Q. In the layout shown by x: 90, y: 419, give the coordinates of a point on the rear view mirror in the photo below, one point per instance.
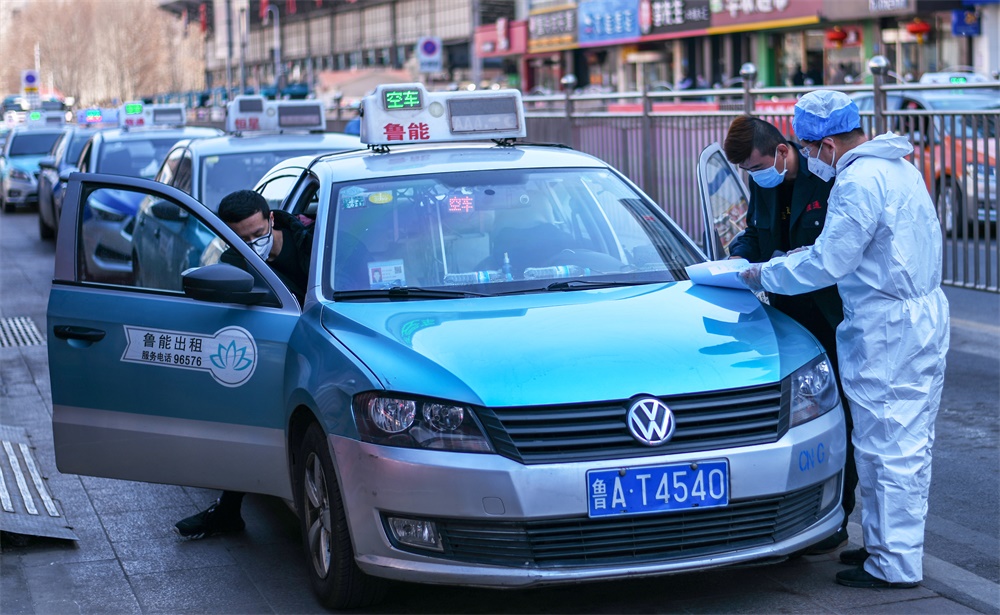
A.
x: 221, y: 283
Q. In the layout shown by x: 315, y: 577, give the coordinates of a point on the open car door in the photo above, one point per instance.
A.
x: 181, y: 383
x: 724, y: 199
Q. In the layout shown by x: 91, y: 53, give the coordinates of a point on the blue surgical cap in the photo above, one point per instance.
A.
x: 822, y: 113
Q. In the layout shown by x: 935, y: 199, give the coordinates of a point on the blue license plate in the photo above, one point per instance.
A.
x: 652, y: 489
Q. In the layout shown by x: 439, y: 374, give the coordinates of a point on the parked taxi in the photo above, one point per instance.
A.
x: 20, y: 152
x: 955, y: 135
x: 261, y: 133
x: 135, y: 149
x: 500, y: 376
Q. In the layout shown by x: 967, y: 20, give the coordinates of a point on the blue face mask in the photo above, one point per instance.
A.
x: 769, y: 177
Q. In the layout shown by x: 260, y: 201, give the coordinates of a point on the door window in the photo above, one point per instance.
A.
x: 109, y: 255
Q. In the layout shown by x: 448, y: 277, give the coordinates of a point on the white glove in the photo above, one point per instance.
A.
x: 751, y: 277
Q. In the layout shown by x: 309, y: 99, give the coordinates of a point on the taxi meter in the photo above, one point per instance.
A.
x: 408, y: 113
x: 256, y: 113
x: 137, y: 114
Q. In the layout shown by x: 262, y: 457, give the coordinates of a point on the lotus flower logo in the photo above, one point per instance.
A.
x: 231, y: 357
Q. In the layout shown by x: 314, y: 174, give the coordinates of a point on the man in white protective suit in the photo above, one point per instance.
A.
x: 881, y: 246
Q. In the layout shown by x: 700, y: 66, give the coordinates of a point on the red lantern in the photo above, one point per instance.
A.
x: 837, y: 36
x: 919, y: 27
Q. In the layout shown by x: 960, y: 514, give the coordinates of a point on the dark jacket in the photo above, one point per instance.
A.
x: 298, y: 238
x: 819, y: 311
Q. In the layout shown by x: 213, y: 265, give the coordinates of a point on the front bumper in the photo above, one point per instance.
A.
x: 528, y: 524
x: 982, y: 191
x: 21, y: 192
x: 108, y: 246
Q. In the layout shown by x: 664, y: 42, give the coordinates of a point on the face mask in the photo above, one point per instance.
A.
x: 820, y: 169
x: 769, y: 177
x: 262, y: 245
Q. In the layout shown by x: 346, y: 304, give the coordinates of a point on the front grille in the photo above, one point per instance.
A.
x: 591, y: 432
x: 581, y: 541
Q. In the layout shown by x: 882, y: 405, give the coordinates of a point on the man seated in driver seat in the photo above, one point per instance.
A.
x: 527, y: 234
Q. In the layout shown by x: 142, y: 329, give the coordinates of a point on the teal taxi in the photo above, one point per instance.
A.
x: 500, y: 376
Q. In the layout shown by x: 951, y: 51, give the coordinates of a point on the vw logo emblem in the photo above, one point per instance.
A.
x: 650, y: 421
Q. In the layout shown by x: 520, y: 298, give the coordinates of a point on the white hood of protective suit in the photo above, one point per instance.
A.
x: 881, y: 246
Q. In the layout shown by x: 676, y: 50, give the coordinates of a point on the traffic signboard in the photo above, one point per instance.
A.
x: 29, y: 87
x: 429, y: 54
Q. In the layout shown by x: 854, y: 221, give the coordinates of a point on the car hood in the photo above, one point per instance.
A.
x: 573, y: 347
x: 123, y: 201
x: 28, y: 164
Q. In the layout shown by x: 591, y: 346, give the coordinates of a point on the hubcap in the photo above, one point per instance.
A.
x: 317, y: 515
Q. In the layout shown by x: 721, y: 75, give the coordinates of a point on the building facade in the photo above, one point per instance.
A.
x: 606, y: 45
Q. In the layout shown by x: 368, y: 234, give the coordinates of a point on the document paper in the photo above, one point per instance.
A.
x: 719, y: 273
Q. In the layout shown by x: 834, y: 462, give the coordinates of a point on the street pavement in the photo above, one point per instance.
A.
x: 127, y: 559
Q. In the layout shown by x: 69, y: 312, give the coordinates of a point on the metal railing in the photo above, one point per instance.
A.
x: 655, y: 139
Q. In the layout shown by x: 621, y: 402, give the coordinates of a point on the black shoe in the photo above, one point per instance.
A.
x: 859, y: 577
x: 854, y: 557
x: 830, y: 543
x: 212, y: 520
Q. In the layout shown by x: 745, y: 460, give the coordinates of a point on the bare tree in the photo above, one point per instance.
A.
x: 99, y: 51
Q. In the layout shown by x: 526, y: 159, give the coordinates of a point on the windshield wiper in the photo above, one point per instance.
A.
x: 585, y: 284
x: 405, y: 292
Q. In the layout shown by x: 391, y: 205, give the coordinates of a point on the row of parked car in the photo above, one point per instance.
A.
x: 152, y: 142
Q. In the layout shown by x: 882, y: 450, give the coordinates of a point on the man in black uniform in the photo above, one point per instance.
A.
x: 286, y: 245
x: 787, y: 210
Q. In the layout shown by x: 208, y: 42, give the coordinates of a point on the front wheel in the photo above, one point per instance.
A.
x: 951, y: 204
x: 334, y: 575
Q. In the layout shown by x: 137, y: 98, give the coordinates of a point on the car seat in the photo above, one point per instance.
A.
x: 117, y: 162
x: 528, y: 234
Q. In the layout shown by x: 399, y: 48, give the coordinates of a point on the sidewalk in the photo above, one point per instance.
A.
x: 128, y: 560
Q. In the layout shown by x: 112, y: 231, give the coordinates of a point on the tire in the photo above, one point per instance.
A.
x: 333, y: 573
x: 951, y: 203
x: 44, y: 230
x: 8, y: 208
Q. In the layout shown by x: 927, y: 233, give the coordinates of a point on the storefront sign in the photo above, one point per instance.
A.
x: 739, y: 13
x: 965, y: 23
x: 602, y: 21
x: 887, y: 6
x: 664, y: 16
x: 552, y: 30
x: 502, y: 39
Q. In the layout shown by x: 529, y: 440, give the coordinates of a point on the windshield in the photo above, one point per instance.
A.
x: 134, y: 158
x: 33, y: 144
x: 499, y: 231
x: 221, y: 175
x: 75, y: 147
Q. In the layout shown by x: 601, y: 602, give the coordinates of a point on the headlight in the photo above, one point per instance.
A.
x: 980, y: 171
x: 813, y: 391
x: 412, y: 422
x: 106, y: 214
x: 19, y: 174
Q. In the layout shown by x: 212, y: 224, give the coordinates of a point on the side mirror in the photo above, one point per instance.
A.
x: 64, y: 176
x: 47, y: 163
x: 167, y: 211
x: 221, y: 283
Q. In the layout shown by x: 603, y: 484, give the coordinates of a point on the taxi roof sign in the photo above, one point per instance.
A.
x: 97, y: 117
x: 40, y: 119
x: 408, y: 113
x: 137, y: 114
x: 257, y: 114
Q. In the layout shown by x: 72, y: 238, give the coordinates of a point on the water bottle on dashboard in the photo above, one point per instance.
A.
x: 559, y: 271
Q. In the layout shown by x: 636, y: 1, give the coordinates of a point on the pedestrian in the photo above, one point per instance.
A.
x: 881, y: 246
x: 787, y: 210
x: 286, y: 245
